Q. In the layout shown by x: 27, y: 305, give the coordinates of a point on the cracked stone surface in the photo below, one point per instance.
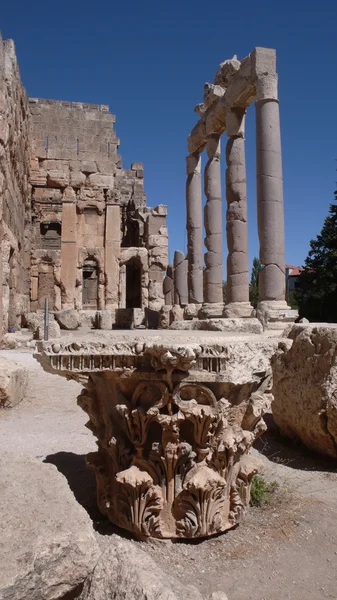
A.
x: 305, y: 383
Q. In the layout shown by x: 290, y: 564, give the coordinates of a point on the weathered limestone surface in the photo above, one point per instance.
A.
x: 127, y: 572
x: 213, y: 223
x: 180, y: 278
x: 53, y: 331
x: 175, y: 417
x: 14, y: 191
x: 236, y: 86
x: 305, y: 383
x: 270, y: 200
x: 229, y: 324
x: 47, y: 544
x: 13, y: 382
x: 168, y: 286
x: 67, y: 319
x: 236, y: 195
x: 194, y: 229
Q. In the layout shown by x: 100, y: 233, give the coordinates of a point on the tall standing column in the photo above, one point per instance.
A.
x: 237, y: 304
x: 270, y: 200
x: 194, y: 229
x: 213, y: 226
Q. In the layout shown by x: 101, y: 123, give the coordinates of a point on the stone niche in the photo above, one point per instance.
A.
x: 175, y: 419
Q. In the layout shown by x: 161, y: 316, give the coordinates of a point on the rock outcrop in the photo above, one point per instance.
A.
x: 305, y: 387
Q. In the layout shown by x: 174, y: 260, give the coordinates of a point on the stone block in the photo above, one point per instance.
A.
x: 88, y: 167
x: 103, y: 181
x: 41, y: 194
x: 53, y: 331
x: 157, y: 240
x: 104, y: 319
x: 67, y: 319
x: 47, y: 543
x: 161, y: 209
x: 57, y: 179
x: 305, y: 383
x: 13, y: 383
x: 77, y: 179
x: 275, y: 314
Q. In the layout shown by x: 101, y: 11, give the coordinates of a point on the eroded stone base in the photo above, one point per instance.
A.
x: 275, y: 314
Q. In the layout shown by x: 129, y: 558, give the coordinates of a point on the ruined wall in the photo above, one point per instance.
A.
x: 85, y: 208
x: 74, y: 225
x: 14, y: 190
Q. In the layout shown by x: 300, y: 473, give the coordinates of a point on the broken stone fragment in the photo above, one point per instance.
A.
x: 13, y: 382
x: 212, y: 93
x: 67, y: 319
x: 226, y: 71
x: 305, y: 383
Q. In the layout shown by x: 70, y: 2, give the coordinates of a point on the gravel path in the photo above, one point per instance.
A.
x: 286, y: 550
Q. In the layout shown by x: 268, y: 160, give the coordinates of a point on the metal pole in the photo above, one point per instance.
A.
x: 46, y: 319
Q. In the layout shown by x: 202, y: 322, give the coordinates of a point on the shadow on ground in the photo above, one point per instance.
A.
x: 82, y: 483
x: 291, y: 453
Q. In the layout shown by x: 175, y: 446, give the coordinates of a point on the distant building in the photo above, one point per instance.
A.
x: 292, y: 274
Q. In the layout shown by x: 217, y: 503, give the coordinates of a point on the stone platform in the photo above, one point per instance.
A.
x: 175, y: 416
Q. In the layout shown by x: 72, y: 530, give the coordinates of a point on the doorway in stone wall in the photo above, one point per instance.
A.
x: 90, y: 284
x: 133, y: 282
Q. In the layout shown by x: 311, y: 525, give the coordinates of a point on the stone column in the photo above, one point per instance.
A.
x: 194, y: 229
x: 68, y: 248
x: 168, y: 287
x: 213, y: 226
x: 180, y: 278
x: 112, y: 253
x: 270, y: 200
x: 237, y: 304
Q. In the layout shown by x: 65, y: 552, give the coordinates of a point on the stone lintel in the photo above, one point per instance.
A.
x: 256, y: 78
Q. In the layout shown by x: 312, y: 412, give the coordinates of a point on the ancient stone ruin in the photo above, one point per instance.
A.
x: 174, y: 415
x: 175, y: 418
x: 237, y: 84
x: 75, y: 228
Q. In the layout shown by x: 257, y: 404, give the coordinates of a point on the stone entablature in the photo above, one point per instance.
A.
x: 175, y: 417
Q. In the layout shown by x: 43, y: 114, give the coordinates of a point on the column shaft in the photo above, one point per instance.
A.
x: 270, y: 200
x: 213, y: 223
x: 236, y: 228
x: 180, y: 279
x: 194, y: 229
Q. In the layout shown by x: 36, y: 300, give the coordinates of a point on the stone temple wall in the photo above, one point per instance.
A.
x: 94, y: 236
x: 14, y: 190
x: 75, y: 227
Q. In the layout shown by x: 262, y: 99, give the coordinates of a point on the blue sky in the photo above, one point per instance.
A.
x: 149, y: 60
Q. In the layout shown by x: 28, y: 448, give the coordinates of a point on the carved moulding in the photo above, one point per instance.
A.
x: 173, y: 435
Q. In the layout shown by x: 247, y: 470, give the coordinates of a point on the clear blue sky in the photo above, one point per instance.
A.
x: 149, y: 60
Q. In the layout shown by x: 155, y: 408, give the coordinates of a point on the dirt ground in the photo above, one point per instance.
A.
x: 284, y: 550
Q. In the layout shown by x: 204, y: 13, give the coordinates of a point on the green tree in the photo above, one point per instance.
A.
x: 254, y: 283
x: 316, y: 286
